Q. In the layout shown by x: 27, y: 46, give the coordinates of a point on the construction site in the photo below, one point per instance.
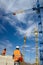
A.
x: 36, y: 16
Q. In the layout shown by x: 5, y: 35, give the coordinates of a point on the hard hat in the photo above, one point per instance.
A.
x: 17, y: 47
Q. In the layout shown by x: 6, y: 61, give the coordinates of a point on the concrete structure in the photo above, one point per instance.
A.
x: 6, y: 60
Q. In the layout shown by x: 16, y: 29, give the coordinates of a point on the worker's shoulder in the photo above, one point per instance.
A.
x: 16, y: 51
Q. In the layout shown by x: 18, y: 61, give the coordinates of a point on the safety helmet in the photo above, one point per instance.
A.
x: 17, y: 47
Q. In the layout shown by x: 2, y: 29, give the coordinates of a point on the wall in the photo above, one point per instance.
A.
x: 6, y: 60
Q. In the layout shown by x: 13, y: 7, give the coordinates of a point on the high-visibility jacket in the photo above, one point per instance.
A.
x: 17, y: 55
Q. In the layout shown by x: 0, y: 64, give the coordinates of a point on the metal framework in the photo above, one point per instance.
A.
x: 24, y: 45
x: 41, y: 53
x: 36, y: 40
x: 40, y: 32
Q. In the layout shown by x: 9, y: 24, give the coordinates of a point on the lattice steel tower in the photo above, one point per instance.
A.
x: 36, y: 40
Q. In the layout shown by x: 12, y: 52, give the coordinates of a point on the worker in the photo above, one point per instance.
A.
x: 3, y: 52
x: 17, y: 56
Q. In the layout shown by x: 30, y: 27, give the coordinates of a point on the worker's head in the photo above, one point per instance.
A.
x: 5, y: 49
x: 17, y: 47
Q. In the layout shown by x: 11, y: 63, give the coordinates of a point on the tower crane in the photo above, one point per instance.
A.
x: 23, y: 47
x: 36, y: 40
x: 40, y: 31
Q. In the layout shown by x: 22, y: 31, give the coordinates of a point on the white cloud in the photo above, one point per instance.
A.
x: 25, y: 46
x: 2, y: 28
x: 33, y: 61
x: 28, y: 50
x: 6, y: 43
x: 6, y: 4
x: 11, y: 21
x: 21, y: 17
x: 30, y: 22
x: 33, y: 48
x: 40, y: 47
x: 13, y: 5
x: 28, y: 31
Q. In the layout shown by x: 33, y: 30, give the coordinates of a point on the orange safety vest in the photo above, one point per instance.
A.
x: 17, y: 55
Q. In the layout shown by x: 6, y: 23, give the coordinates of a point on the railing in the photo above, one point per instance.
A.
x: 6, y: 60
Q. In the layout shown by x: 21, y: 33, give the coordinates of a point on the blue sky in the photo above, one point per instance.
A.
x: 13, y: 28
